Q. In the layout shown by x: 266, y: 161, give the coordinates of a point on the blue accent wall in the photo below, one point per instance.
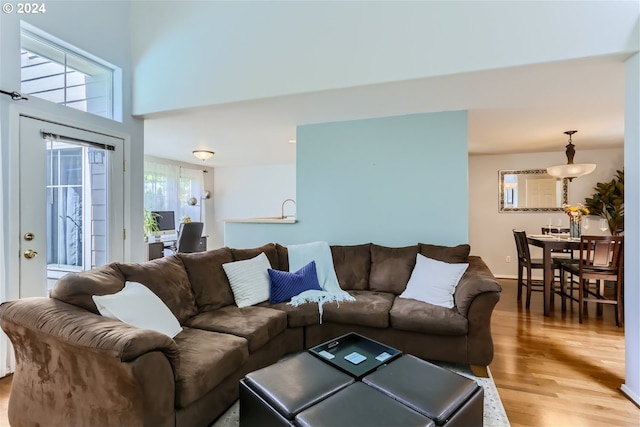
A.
x: 393, y: 181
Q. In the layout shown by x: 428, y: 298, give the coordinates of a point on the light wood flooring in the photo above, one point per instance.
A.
x: 549, y: 371
x: 555, y: 371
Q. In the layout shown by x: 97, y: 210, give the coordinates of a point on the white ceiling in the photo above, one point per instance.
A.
x: 514, y: 110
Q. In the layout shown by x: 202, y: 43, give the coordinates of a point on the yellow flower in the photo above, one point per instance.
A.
x: 575, y: 211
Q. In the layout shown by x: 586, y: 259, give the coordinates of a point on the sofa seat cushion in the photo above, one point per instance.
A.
x: 258, y: 325
x: 206, y: 359
x: 417, y: 316
x: 369, y: 309
x: 303, y: 315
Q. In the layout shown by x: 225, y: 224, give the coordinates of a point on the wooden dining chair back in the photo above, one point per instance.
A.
x: 554, y: 230
x: 601, y: 262
x: 526, y: 265
x: 558, y: 230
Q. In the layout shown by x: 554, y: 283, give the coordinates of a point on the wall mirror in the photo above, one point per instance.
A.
x: 531, y: 190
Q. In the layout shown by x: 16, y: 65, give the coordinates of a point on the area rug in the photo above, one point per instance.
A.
x: 494, y: 413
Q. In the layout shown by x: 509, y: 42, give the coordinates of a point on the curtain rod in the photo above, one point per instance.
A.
x: 16, y: 96
x: 77, y: 141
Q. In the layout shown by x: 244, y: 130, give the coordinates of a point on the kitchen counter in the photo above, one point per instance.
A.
x: 265, y: 220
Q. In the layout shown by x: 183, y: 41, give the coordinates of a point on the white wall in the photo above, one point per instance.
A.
x: 490, y: 232
x: 253, y: 49
x: 250, y: 192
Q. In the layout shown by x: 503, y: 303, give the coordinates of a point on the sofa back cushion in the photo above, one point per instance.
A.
x: 209, y: 282
x: 391, y: 268
x: 269, y: 250
x: 78, y: 288
x: 451, y: 254
x: 283, y: 258
x: 167, y: 278
x: 353, y: 266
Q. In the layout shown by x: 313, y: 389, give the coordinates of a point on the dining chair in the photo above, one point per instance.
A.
x: 555, y: 230
x: 601, y: 261
x: 558, y: 230
x: 189, y: 235
x: 528, y: 264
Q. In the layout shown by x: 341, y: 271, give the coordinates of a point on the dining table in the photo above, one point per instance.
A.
x: 549, y: 244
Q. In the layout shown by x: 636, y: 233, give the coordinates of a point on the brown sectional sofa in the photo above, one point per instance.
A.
x: 77, y: 368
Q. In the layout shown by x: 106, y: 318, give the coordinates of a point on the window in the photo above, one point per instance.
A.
x: 172, y: 188
x: 61, y: 75
x: 76, y: 207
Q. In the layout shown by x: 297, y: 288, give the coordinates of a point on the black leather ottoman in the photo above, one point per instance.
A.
x: 274, y: 395
x: 447, y: 398
x: 360, y: 406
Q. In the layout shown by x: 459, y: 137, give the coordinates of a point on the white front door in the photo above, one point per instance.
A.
x: 71, y: 202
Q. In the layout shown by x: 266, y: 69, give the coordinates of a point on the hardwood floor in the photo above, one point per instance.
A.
x: 555, y: 371
x: 549, y: 371
x: 5, y: 388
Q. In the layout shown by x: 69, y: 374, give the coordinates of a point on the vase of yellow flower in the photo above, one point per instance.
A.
x: 575, y: 218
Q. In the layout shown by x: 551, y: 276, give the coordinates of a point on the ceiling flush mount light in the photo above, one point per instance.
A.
x: 203, y: 154
x: 571, y: 170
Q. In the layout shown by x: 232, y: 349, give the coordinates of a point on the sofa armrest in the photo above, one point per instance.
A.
x: 74, y: 367
x: 476, y: 280
x: 80, y: 327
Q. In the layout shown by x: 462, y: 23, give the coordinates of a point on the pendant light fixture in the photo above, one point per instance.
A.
x: 570, y: 170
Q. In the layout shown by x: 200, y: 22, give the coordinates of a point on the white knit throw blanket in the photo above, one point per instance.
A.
x: 320, y: 252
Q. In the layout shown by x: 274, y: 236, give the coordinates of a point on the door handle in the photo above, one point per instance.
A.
x: 30, y: 253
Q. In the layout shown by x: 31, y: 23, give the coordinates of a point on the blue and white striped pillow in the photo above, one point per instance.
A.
x: 285, y: 285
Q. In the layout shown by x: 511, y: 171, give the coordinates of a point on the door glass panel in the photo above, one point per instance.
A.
x: 76, y: 212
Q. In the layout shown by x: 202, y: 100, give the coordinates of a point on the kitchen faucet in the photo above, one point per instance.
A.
x: 283, y: 203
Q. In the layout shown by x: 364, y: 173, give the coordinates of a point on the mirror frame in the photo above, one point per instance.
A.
x: 502, y: 173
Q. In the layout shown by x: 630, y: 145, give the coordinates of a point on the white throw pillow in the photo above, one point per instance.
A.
x: 434, y: 281
x: 249, y: 280
x: 137, y: 305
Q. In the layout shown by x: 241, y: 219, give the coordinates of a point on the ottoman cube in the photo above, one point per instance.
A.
x: 447, y: 398
x: 274, y: 395
x: 360, y: 406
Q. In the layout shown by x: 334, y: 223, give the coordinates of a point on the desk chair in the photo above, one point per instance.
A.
x: 601, y: 260
x: 189, y: 235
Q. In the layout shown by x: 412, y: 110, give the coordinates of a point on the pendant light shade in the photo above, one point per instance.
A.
x: 571, y: 170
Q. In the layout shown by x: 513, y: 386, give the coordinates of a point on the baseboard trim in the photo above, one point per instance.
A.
x: 630, y: 394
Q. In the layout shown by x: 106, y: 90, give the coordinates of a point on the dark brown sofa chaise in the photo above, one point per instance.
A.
x: 77, y: 368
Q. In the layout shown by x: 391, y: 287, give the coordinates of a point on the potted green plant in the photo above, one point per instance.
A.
x: 150, y: 224
x: 608, y: 202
